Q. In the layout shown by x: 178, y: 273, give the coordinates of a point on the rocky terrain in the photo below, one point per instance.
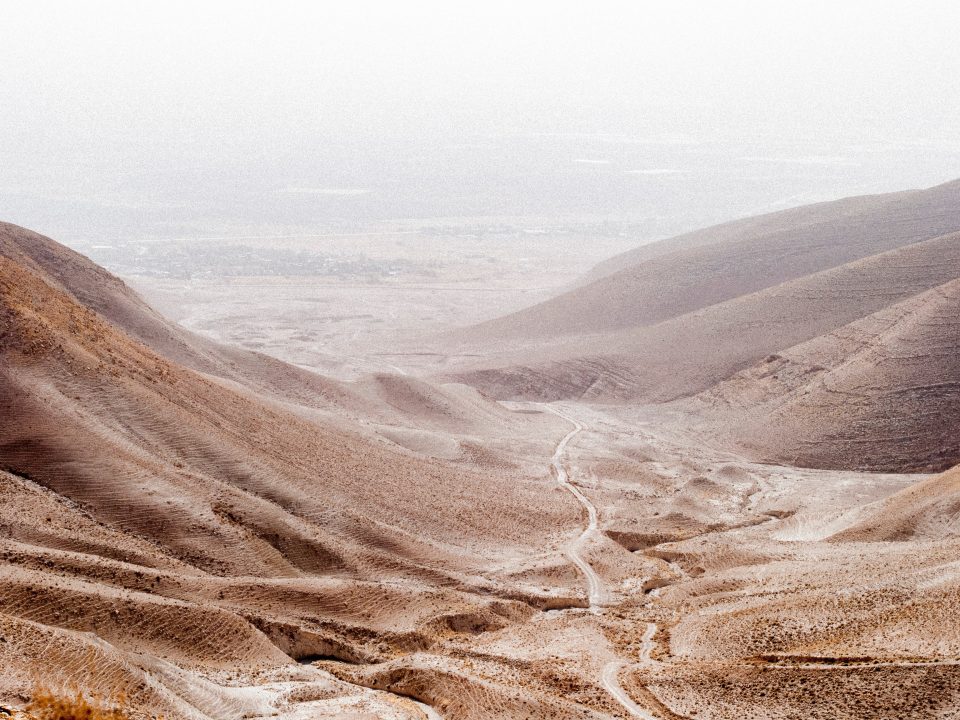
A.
x: 711, y: 481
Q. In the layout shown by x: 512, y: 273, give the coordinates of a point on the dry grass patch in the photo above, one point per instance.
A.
x: 74, y: 705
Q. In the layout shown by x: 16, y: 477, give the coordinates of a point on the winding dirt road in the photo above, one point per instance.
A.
x: 610, y: 677
x: 611, y: 683
x: 595, y: 593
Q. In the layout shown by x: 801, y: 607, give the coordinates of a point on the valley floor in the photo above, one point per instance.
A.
x: 216, y: 535
x: 701, y: 586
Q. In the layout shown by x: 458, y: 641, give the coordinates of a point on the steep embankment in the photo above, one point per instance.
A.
x: 882, y: 393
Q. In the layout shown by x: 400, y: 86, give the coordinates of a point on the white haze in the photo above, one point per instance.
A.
x: 134, y: 119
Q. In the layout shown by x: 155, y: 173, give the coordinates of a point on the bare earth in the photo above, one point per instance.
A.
x: 215, y: 533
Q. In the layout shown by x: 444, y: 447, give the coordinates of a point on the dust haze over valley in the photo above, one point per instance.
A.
x: 480, y: 361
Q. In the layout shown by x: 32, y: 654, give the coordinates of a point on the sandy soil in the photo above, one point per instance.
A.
x: 215, y: 534
x: 348, y: 326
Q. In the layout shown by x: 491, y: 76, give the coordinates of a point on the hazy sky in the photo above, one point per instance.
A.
x: 89, y: 86
x: 181, y: 73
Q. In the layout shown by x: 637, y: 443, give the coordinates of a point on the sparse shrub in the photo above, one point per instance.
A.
x: 74, y: 705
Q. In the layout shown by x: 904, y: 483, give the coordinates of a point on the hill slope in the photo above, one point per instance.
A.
x: 153, y: 514
x: 882, y: 393
x: 674, y: 277
x: 707, y: 306
x: 928, y: 510
x: 688, y: 354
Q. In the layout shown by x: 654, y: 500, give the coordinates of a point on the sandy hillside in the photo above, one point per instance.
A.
x: 141, y: 494
x: 673, y: 277
x: 849, y: 366
x: 217, y: 535
x: 679, y: 321
x: 881, y: 393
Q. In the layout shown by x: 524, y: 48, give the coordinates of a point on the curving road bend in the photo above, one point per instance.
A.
x: 595, y: 593
x: 610, y: 677
x: 611, y: 683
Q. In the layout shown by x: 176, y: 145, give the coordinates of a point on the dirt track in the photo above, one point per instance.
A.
x: 595, y: 592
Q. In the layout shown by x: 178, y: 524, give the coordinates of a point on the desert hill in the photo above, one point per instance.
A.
x: 682, y: 322
x: 688, y: 354
x: 398, y: 409
x: 926, y: 511
x: 666, y: 279
x: 882, y: 393
x: 155, y: 514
